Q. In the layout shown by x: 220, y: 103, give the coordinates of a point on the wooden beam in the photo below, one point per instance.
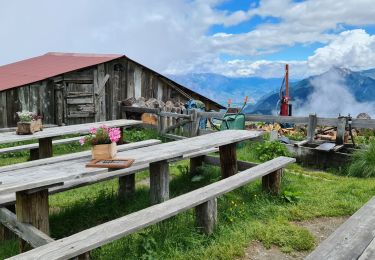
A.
x: 94, y: 237
x: 228, y: 160
x: 195, y: 163
x: 126, y: 186
x: 101, y: 86
x: 6, y: 233
x: 311, y: 127
x: 27, y: 232
x: 206, y: 216
x: 175, y: 115
x: 271, y: 183
x: 181, y: 123
x: 159, y: 182
x: 45, y: 148
x: 33, y: 209
x: 340, y: 133
x: 140, y: 110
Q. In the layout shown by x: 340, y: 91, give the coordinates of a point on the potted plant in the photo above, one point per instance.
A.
x: 29, y: 123
x: 103, y: 141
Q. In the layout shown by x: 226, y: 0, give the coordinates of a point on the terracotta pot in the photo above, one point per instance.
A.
x: 104, y: 151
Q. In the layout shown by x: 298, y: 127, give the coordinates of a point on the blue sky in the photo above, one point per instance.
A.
x: 236, y: 38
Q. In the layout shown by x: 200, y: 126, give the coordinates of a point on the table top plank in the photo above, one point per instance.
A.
x: 10, y: 137
x: 42, y: 175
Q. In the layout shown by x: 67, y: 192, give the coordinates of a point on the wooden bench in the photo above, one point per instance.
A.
x: 32, y: 181
x: 354, y: 239
x: 9, y: 199
x: 44, y: 149
x: 204, y: 200
x: 33, y: 146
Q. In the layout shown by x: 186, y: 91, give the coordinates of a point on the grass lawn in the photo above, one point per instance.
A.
x: 245, y: 214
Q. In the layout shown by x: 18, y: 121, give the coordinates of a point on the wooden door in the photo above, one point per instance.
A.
x: 79, y: 103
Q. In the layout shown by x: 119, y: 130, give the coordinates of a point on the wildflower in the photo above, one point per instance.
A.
x: 82, y: 140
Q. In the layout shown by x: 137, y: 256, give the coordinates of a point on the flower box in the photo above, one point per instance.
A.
x: 26, y: 128
x: 104, y: 151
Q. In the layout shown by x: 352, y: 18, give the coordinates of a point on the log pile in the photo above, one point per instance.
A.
x: 168, y: 106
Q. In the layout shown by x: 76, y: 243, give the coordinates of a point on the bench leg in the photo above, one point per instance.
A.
x: 206, y: 216
x: 195, y: 163
x: 228, y: 160
x: 34, y: 154
x: 45, y: 148
x: 126, y: 186
x: 271, y: 183
x: 33, y: 209
x: 159, y: 182
x: 5, y: 233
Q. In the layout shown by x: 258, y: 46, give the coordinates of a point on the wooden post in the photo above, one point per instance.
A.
x: 45, y: 148
x: 206, y: 216
x: 228, y: 160
x: 271, y: 183
x: 195, y: 163
x: 5, y: 233
x: 59, y: 101
x: 160, y: 121
x: 33, y: 209
x: 34, y: 154
x: 194, y: 125
x: 185, y: 127
x: 340, y: 134
x: 126, y: 186
x: 159, y: 182
x: 311, y: 127
x: 121, y: 141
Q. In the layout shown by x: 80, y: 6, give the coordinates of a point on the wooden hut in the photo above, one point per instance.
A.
x: 68, y: 88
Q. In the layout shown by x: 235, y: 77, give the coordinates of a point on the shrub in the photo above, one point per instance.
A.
x: 269, y: 150
x: 363, y: 162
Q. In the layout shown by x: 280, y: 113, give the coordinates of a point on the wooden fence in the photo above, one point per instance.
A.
x: 186, y: 122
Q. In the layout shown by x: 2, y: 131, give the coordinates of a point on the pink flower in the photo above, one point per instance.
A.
x: 105, y: 127
x: 92, y: 130
x: 114, y: 134
x: 82, y: 140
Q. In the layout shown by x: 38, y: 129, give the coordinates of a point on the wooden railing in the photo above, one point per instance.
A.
x: 186, y: 123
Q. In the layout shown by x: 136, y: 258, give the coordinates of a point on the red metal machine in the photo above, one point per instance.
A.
x: 285, y: 106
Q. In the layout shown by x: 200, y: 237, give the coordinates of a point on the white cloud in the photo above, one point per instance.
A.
x: 353, y: 49
x: 171, y: 36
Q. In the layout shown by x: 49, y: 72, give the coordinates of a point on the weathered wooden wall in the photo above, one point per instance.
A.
x: 90, y: 94
x: 36, y: 97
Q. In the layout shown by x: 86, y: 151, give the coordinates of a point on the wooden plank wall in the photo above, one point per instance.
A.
x: 126, y: 79
x: 37, y: 97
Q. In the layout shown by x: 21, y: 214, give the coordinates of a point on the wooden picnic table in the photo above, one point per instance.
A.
x: 45, y: 137
x: 31, y: 184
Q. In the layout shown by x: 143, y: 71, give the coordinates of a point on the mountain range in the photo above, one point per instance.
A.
x: 221, y: 88
x: 335, y: 91
x: 316, y: 94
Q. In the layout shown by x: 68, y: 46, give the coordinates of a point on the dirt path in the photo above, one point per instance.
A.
x: 320, y: 228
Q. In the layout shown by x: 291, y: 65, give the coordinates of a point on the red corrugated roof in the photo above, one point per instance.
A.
x: 48, y: 65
